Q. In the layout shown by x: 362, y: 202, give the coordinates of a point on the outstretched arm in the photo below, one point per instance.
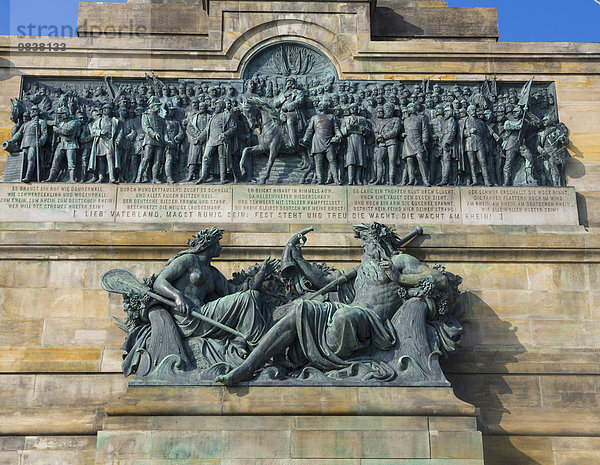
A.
x: 269, y: 265
x: 412, y: 272
x: 316, y: 276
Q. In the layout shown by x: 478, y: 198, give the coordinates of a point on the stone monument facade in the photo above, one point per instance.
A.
x: 162, y: 120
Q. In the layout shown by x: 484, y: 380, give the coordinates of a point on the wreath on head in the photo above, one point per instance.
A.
x: 205, y: 238
x: 200, y: 241
x: 377, y: 232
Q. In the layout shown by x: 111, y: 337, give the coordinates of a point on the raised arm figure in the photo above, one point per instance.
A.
x: 331, y: 335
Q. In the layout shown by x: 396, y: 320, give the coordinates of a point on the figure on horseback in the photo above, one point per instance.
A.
x: 272, y: 138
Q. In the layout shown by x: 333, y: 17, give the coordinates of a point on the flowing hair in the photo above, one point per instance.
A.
x: 200, y: 241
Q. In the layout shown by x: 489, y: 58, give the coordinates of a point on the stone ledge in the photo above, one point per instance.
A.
x: 49, y: 420
x: 289, y: 426
x: 519, y: 245
x: 281, y: 422
x: 290, y: 447
x: 325, y: 401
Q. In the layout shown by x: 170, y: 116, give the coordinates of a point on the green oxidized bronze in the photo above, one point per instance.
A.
x: 386, y: 321
x: 288, y: 120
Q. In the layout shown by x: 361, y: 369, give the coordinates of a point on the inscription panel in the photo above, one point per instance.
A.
x: 171, y: 203
x: 216, y: 204
x: 519, y: 206
x: 14, y: 167
x: 290, y: 204
x: 57, y: 202
x: 404, y: 205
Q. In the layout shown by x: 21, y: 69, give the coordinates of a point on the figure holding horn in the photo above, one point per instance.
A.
x: 335, y: 335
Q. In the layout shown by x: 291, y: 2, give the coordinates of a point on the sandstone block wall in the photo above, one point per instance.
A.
x: 529, y: 360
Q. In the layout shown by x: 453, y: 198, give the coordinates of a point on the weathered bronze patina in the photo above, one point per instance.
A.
x: 386, y: 321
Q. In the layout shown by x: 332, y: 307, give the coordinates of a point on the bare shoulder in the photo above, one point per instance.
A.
x: 404, y: 261
x: 183, y: 262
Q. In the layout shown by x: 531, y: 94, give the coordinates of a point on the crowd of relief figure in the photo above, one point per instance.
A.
x: 302, y: 129
x: 388, y: 320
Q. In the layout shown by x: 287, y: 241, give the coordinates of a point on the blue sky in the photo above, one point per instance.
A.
x: 543, y: 20
x: 519, y: 20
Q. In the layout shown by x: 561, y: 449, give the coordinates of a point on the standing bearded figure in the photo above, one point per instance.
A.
x: 220, y: 129
x: 107, y: 133
x: 33, y: 135
x: 475, y: 146
x: 386, y: 135
x: 196, y: 124
x: 66, y: 128
x: 154, y: 128
x: 330, y: 335
x: 448, y: 147
x: 416, y: 138
x: 355, y: 128
x: 324, y: 131
x: 292, y: 103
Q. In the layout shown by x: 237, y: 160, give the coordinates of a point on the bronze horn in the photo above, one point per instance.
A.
x: 288, y: 264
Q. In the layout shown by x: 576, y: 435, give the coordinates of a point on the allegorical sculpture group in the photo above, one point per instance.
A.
x: 328, y: 131
x: 388, y: 320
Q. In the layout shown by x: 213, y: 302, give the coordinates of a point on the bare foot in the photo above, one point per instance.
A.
x: 235, y: 376
x: 223, y: 379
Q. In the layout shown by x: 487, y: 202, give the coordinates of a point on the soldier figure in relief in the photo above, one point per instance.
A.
x: 474, y: 146
x: 493, y: 144
x: 355, y: 128
x: 324, y: 132
x: 552, y: 142
x: 220, y: 129
x: 173, y: 136
x: 514, y: 145
x: 416, y: 138
x: 85, y: 146
x: 196, y: 124
x: 380, y: 150
x: 125, y: 146
x: 437, y: 125
x: 135, y: 134
x: 66, y: 129
x: 107, y: 133
x: 154, y: 128
x: 387, y: 139
x: 448, y: 146
x: 33, y: 135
